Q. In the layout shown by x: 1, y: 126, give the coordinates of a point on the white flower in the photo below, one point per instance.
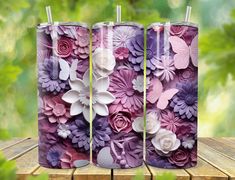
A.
x: 165, y: 141
x: 138, y: 83
x: 152, y: 123
x: 103, y: 62
x: 165, y: 68
x: 63, y: 131
x: 188, y: 143
x: 79, y: 96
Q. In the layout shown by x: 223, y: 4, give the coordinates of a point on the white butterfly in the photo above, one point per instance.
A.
x: 184, y: 52
x: 66, y: 71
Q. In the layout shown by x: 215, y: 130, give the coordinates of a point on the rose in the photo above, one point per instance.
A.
x: 121, y: 121
x: 64, y: 47
x: 179, y: 158
x: 165, y: 141
x: 178, y: 30
x: 103, y: 62
x: 152, y: 123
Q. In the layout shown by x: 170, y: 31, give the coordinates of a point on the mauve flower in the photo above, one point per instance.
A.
x: 55, y: 109
x: 54, y: 154
x: 178, y: 30
x: 187, y: 130
x: 127, y: 99
x: 45, y: 126
x: 64, y: 47
x: 48, y: 76
x: 165, y: 141
x: 127, y: 150
x: 188, y: 74
x: 185, y: 101
x: 169, y: 121
x: 121, y: 121
x: 179, y: 157
x: 121, y: 53
x: 165, y: 68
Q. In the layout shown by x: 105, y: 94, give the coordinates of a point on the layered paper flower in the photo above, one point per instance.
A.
x: 185, y: 101
x: 54, y: 154
x: 127, y: 98
x: 48, y: 76
x: 138, y: 83
x: 63, y: 131
x: 79, y: 96
x: 180, y: 157
x: 103, y: 62
x: 165, y: 141
x: 55, y: 109
x: 64, y: 47
x: 121, y: 53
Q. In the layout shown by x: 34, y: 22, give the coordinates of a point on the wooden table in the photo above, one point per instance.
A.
x: 216, y: 161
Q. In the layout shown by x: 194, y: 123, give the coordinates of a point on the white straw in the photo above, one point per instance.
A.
x: 119, y: 13
x: 49, y: 16
x: 188, y: 13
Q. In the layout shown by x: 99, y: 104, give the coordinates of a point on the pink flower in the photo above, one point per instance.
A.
x: 178, y: 30
x: 121, y: 121
x: 64, y: 47
x: 121, y: 53
x: 180, y: 157
x: 55, y: 109
x: 169, y: 121
x: 127, y: 99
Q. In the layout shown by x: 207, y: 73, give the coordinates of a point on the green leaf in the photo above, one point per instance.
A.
x: 7, y: 169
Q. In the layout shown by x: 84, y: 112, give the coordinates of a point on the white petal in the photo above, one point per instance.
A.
x: 70, y: 96
x: 105, y: 97
x: 76, y: 85
x: 86, y: 113
x: 86, y: 78
x: 105, y: 159
x: 76, y: 108
x: 138, y: 124
x: 102, y: 84
x: 101, y: 109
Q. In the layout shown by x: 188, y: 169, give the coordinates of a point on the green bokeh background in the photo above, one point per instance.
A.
x: 18, y: 19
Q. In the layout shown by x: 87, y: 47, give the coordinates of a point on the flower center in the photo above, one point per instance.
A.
x: 149, y: 54
x: 130, y: 92
x: 189, y: 100
x: 59, y: 110
x: 167, y: 144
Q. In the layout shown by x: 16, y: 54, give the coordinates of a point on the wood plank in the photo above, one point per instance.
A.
x: 92, y: 172
x: 19, y: 149
x: 224, y: 164
x: 223, y: 148
x: 227, y: 141
x: 128, y: 174
x: 11, y: 142
x: 55, y: 174
x: 27, y: 164
x: 181, y: 174
x: 204, y: 170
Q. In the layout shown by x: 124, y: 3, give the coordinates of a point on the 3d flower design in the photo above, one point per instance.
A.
x: 122, y: 35
x: 103, y: 62
x: 54, y: 154
x: 121, y: 53
x: 180, y: 157
x: 121, y: 121
x: 79, y: 96
x: 178, y: 30
x: 165, y: 68
x: 80, y: 133
x: 185, y: 101
x: 101, y: 132
x: 127, y: 99
x: 189, y: 74
x: 102, y: 38
x: 138, y: 83
x: 48, y: 76
x: 188, y: 143
x: 165, y: 141
x: 63, y: 131
x: 81, y: 44
x: 127, y: 150
x: 64, y: 47
x: 152, y: 123
x: 55, y: 109
x: 169, y: 121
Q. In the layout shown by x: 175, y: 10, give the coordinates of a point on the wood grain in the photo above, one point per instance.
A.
x: 221, y: 162
x: 204, y: 170
x: 19, y: 149
x: 91, y: 172
x: 128, y: 174
x: 13, y: 141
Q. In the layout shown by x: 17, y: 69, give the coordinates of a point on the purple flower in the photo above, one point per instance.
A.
x: 54, y: 154
x: 184, y: 102
x: 48, y: 76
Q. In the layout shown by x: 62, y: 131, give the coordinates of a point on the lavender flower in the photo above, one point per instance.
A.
x: 54, y: 154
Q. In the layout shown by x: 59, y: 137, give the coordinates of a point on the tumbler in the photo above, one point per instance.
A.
x: 117, y: 92
x: 172, y: 95
x: 63, y: 94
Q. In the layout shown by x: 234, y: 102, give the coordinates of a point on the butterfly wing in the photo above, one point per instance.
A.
x: 155, y: 92
x: 73, y: 70
x: 64, y: 70
x: 181, y: 58
x: 194, y: 51
x: 165, y: 97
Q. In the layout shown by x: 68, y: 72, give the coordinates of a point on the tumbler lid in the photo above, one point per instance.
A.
x: 64, y: 24
x: 111, y: 23
x: 183, y: 23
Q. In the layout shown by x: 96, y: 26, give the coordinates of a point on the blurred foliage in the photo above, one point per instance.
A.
x: 164, y: 176
x: 18, y: 81
x: 7, y: 169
